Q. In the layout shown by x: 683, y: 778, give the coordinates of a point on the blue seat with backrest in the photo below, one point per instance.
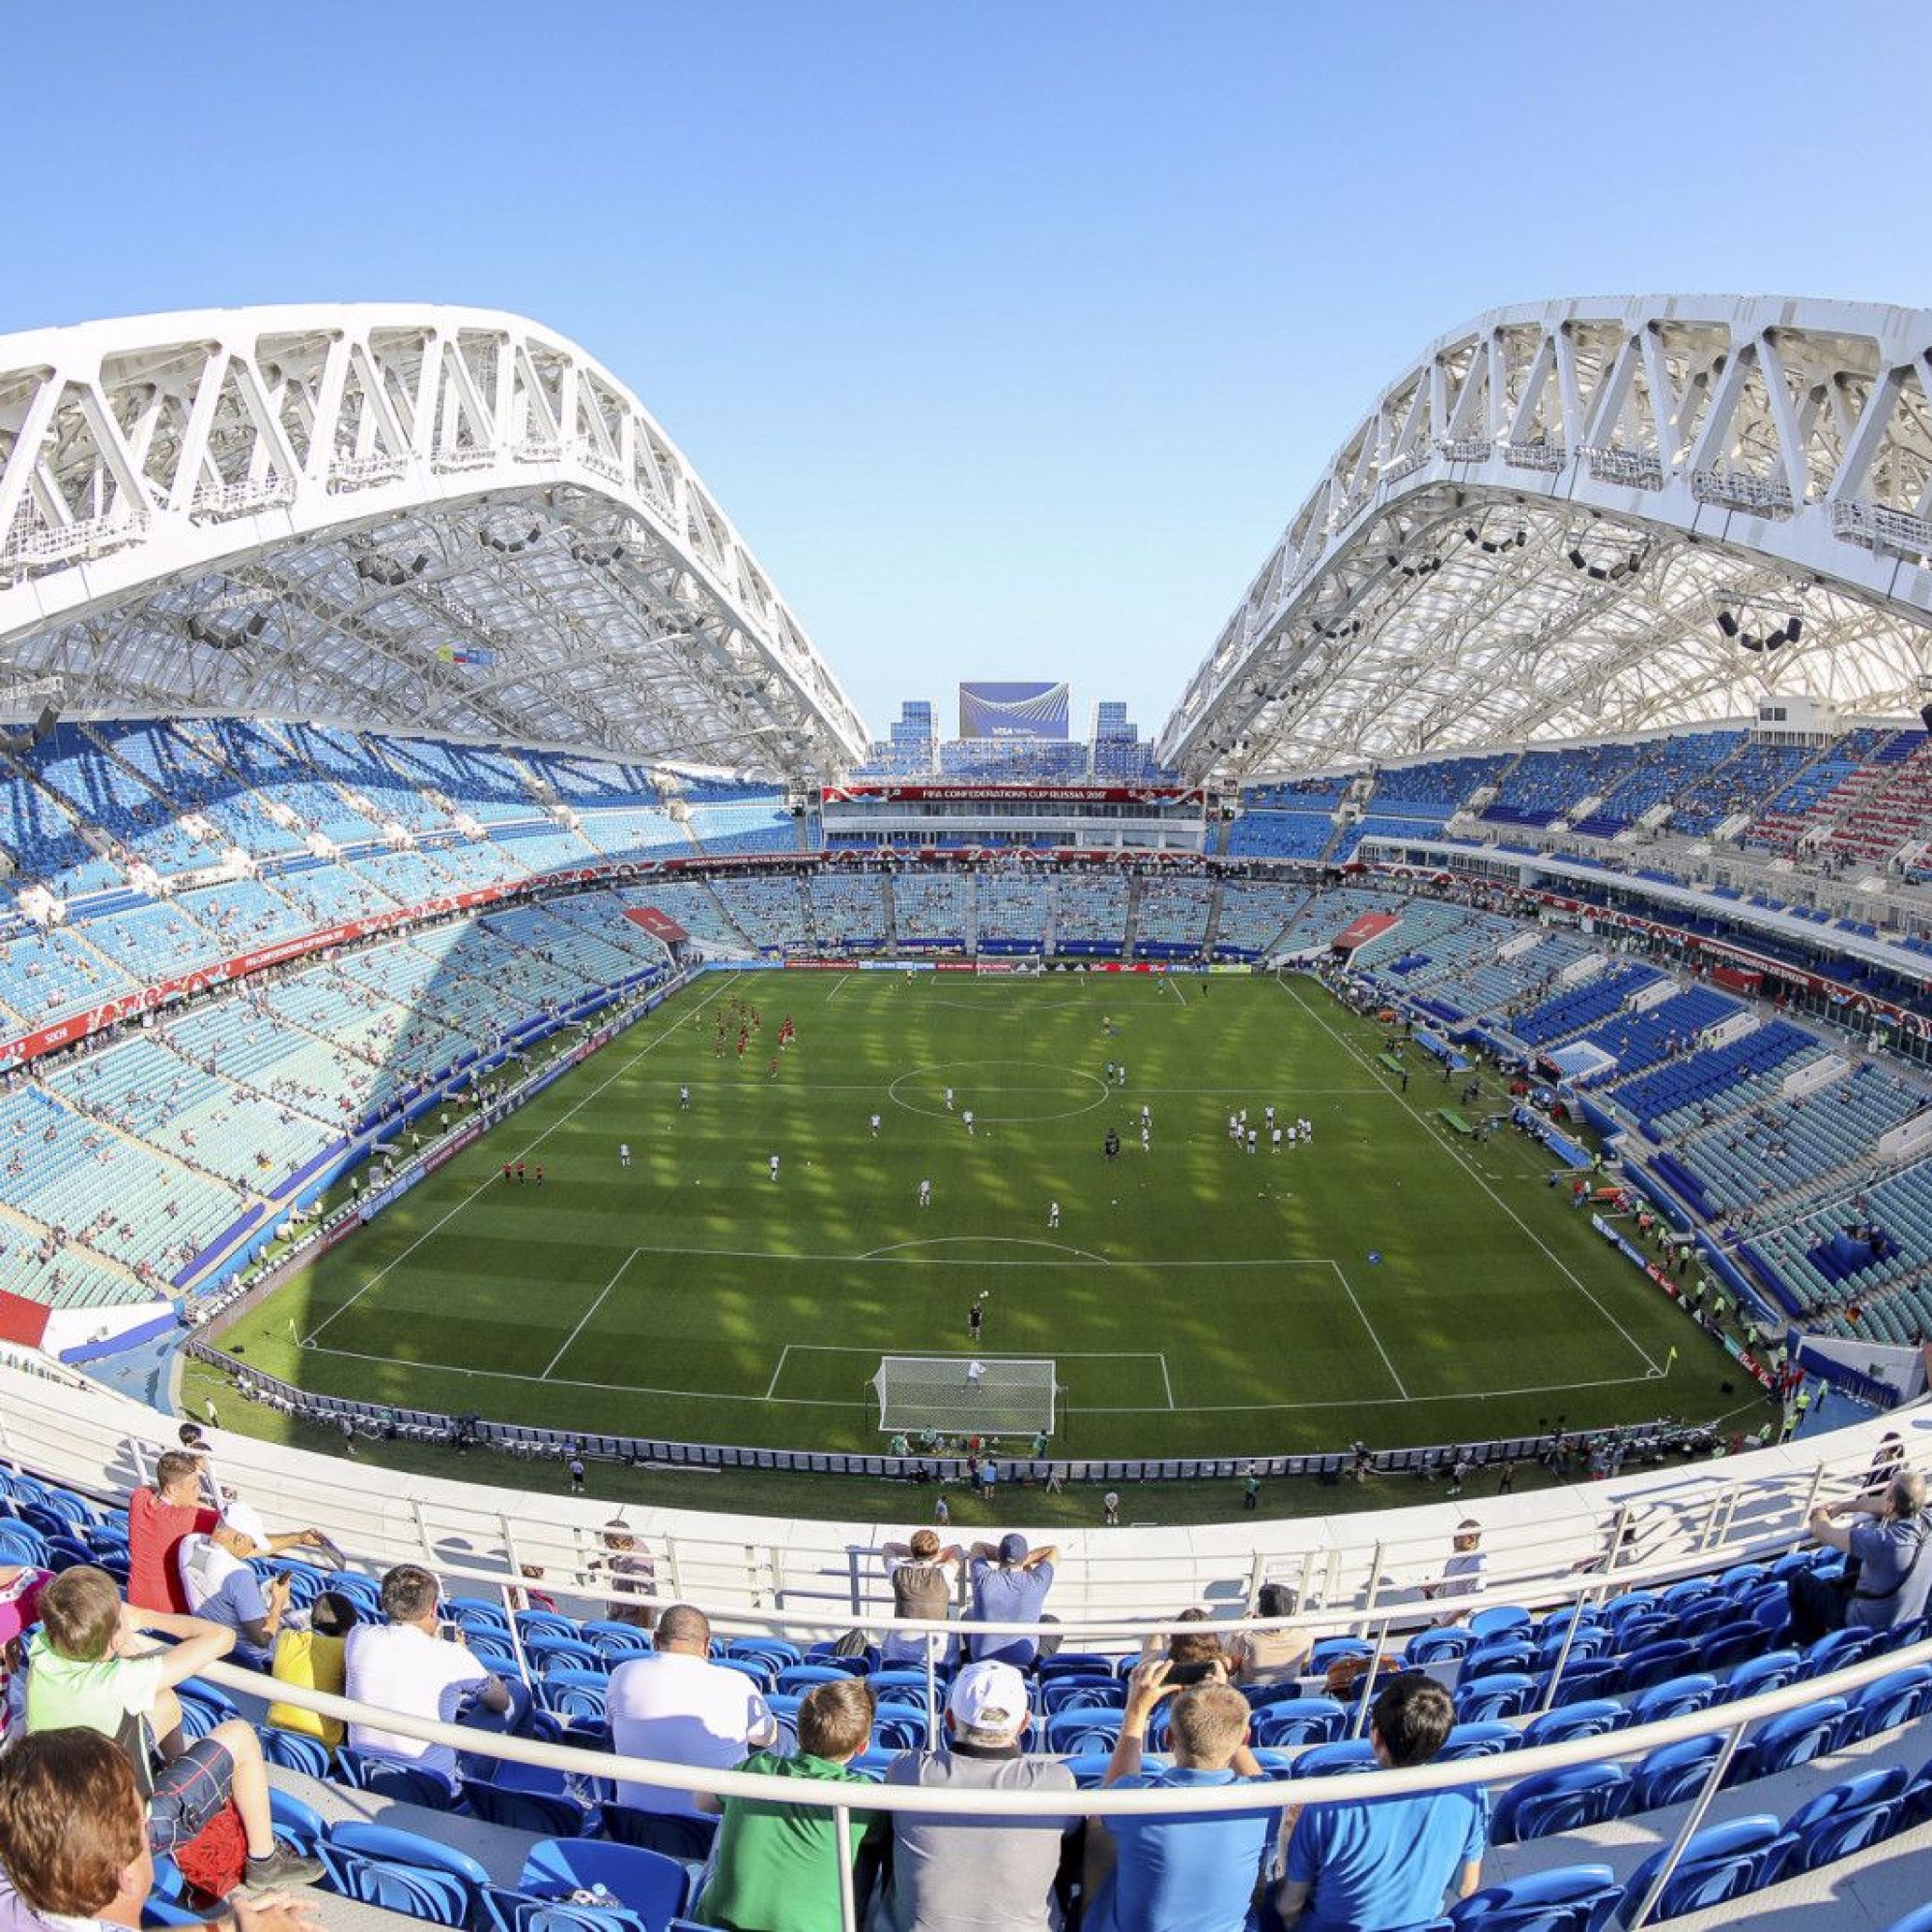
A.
x: 1791, y: 1738
x: 1571, y: 1899
x: 1484, y: 1739
x: 1674, y: 1697
x: 798, y: 1678
x: 650, y: 1884
x: 1657, y: 1662
x: 1494, y: 1619
x: 1332, y: 1760
x: 1848, y: 1818
x: 677, y: 1837
x: 1771, y: 1670
x: 1299, y: 1720
x: 1506, y: 1694
x: 574, y: 1695
x: 552, y: 1814
x: 1729, y: 1645
x: 1918, y: 1920
x: 1071, y: 1694
x: 615, y: 1641
x: 294, y: 1751
x: 1890, y: 1701
x: 1719, y: 1863
x: 1838, y: 1650
x: 401, y: 1871
x: 1589, y: 1678
x: 1434, y: 1646
x: 1497, y: 1654
x: 1070, y: 1731
x: 1595, y: 1718
x: 297, y: 1823
x: 392, y: 1777
x: 1672, y: 1773
x: 1560, y: 1800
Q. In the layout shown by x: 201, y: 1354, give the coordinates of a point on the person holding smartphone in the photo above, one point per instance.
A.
x: 413, y: 1663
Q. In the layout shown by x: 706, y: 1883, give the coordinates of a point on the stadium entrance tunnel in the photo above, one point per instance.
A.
x: 1008, y: 1089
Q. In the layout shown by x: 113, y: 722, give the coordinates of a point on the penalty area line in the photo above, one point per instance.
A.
x: 587, y: 1313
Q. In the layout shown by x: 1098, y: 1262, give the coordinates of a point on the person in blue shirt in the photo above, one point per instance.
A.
x: 1387, y: 1860
x: 1193, y: 1871
x: 1009, y: 1586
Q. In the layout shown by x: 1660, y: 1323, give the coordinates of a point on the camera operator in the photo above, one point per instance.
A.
x: 1886, y: 1577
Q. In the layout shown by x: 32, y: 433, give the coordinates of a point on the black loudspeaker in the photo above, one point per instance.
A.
x: 43, y: 725
x: 1925, y: 716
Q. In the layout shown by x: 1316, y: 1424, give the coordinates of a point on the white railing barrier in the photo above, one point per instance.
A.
x: 1731, y: 1720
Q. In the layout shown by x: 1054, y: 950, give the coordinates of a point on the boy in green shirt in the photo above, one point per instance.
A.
x: 774, y: 1868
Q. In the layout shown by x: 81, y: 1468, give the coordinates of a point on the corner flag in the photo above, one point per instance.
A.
x: 1671, y: 1357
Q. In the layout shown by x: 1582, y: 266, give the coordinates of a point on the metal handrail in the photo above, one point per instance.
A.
x: 1730, y: 1720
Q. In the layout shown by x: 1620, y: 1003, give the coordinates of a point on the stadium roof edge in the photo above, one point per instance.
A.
x: 423, y: 515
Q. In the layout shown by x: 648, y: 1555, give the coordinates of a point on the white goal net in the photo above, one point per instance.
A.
x: 966, y: 1395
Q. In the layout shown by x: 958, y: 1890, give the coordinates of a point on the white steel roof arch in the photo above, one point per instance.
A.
x: 1589, y: 517
x: 445, y: 519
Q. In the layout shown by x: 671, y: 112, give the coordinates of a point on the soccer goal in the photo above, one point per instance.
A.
x: 1006, y: 1397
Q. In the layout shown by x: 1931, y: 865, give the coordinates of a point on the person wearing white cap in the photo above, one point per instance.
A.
x: 949, y: 1873
x: 221, y: 1587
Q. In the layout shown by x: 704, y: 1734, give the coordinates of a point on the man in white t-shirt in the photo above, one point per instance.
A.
x: 221, y: 1587
x: 403, y: 1664
x: 676, y: 1705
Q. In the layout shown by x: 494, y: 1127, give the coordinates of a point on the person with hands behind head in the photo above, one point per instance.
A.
x: 74, y: 1848
x: 1188, y: 1871
x: 1883, y: 1534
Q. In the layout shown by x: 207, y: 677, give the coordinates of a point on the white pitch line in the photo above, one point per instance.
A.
x: 838, y: 989
x: 772, y: 1387
x: 490, y: 1180
x: 1371, y: 1328
x: 1556, y: 1262
x: 1165, y: 1382
x: 587, y: 1313
x: 1372, y: 1401
x: 1176, y: 984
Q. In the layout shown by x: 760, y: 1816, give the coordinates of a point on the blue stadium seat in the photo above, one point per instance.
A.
x: 1481, y: 1739
x: 650, y: 1884
x: 1299, y: 1720
x: 294, y: 1751
x: 400, y: 1871
x: 1848, y: 1818
x: 1332, y: 1760
x: 1791, y: 1738
x: 1068, y: 1732
x: 549, y: 1814
x: 1773, y: 1670
x: 1507, y: 1693
x: 1595, y: 1677
x: 1918, y: 1920
x: 1658, y: 1662
x: 1434, y: 1646
x: 677, y: 1837
x: 1674, y: 1697
x: 392, y: 1777
x: 1560, y: 1800
x: 294, y: 1823
x: 1897, y: 1699
x: 1071, y: 1694
x: 1719, y: 1863
x: 1671, y: 1773
x: 1595, y: 1718
x: 1571, y: 1899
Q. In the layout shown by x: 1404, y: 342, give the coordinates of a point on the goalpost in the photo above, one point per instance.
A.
x: 1007, y: 1397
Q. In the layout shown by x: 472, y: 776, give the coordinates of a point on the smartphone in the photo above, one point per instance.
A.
x: 451, y: 1632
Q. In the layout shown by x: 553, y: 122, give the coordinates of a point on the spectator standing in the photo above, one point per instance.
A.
x: 1195, y: 1869
x: 774, y: 1867
x: 951, y: 1873
x: 1010, y: 1584
x: 1387, y: 1860
x: 404, y: 1665
x: 678, y: 1706
x: 1462, y: 1575
x: 634, y: 1576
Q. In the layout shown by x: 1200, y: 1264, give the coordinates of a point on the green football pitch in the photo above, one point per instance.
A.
x: 1390, y: 1280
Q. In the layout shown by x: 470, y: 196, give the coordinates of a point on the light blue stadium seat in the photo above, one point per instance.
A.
x: 1791, y: 1738
x: 1572, y: 1898
x: 1332, y: 1760
x: 401, y: 1871
x: 1674, y: 1697
x: 1560, y: 1800
x: 1299, y: 1720
x: 1506, y: 1694
x: 1592, y: 1718
x: 649, y: 1884
x: 1671, y: 1773
x: 1847, y: 1818
x: 1719, y: 1863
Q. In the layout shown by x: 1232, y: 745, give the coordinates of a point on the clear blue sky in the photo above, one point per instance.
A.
x: 1010, y: 336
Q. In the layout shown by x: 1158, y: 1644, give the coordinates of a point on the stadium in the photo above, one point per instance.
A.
x: 474, y: 986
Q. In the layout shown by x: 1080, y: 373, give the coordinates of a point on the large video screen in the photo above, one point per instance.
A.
x: 1012, y: 710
